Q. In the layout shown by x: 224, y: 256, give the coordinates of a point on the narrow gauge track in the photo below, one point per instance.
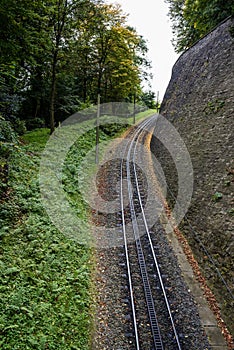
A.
x: 140, y: 229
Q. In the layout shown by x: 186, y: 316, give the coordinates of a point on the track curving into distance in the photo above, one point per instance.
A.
x: 140, y: 227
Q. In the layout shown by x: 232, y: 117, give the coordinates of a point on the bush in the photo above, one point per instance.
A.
x: 8, y: 139
x: 19, y: 126
x: 34, y: 123
x: 7, y: 134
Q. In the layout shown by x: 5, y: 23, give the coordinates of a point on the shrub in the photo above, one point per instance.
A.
x: 19, y: 126
x: 35, y: 123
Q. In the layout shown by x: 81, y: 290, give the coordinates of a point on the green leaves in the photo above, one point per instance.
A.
x: 44, y: 277
x: 57, y: 55
x: 217, y: 196
x: 193, y: 19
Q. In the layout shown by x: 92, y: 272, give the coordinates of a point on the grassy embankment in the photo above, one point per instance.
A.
x: 46, y: 285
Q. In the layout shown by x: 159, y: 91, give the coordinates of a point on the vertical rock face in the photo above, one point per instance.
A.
x: 199, y: 102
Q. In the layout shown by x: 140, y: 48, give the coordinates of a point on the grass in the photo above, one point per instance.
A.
x: 46, y: 278
x: 145, y: 114
x: 36, y: 138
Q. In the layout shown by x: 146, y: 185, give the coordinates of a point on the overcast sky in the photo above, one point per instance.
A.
x: 150, y: 19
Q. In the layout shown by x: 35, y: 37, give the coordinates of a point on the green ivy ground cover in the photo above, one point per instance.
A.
x: 45, y: 278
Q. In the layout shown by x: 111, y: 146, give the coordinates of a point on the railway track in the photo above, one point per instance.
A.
x: 137, y: 262
x: 144, y: 302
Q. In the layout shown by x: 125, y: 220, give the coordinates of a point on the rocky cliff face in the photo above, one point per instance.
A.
x: 199, y: 102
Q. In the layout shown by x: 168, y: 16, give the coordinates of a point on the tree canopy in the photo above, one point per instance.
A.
x: 191, y: 19
x: 57, y: 55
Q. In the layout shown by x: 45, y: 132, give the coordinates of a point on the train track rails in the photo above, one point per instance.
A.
x: 143, y: 300
x: 137, y: 258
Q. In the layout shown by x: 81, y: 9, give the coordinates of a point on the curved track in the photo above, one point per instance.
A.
x: 140, y: 229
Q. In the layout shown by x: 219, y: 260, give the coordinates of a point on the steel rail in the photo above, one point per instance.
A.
x: 127, y: 256
x: 127, y: 260
x: 143, y: 268
x: 152, y: 248
x: 141, y: 259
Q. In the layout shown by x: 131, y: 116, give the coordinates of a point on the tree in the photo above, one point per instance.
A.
x: 17, y: 44
x: 64, y: 20
x: 111, y: 55
x: 149, y: 99
x: 191, y: 20
x: 57, y: 55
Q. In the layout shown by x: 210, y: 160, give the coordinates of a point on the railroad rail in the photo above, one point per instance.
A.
x: 140, y: 229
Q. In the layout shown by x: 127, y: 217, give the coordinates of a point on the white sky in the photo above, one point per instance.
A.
x: 150, y: 19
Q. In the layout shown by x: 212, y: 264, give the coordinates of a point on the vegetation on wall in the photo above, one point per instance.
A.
x: 191, y: 19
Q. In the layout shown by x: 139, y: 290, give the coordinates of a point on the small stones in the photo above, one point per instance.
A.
x: 114, y: 320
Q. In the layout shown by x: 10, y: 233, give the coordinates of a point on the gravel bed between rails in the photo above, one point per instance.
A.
x: 113, y: 326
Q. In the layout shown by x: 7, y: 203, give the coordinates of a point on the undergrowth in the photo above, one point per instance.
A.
x: 45, y: 277
x: 46, y: 288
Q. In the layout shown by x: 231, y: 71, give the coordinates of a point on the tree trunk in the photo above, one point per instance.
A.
x: 38, y: 106
x: 99, y: 83
x: 52, y: 96
x: 85, y: 81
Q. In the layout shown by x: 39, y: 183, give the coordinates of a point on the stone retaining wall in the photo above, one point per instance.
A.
x: 199, y: 102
